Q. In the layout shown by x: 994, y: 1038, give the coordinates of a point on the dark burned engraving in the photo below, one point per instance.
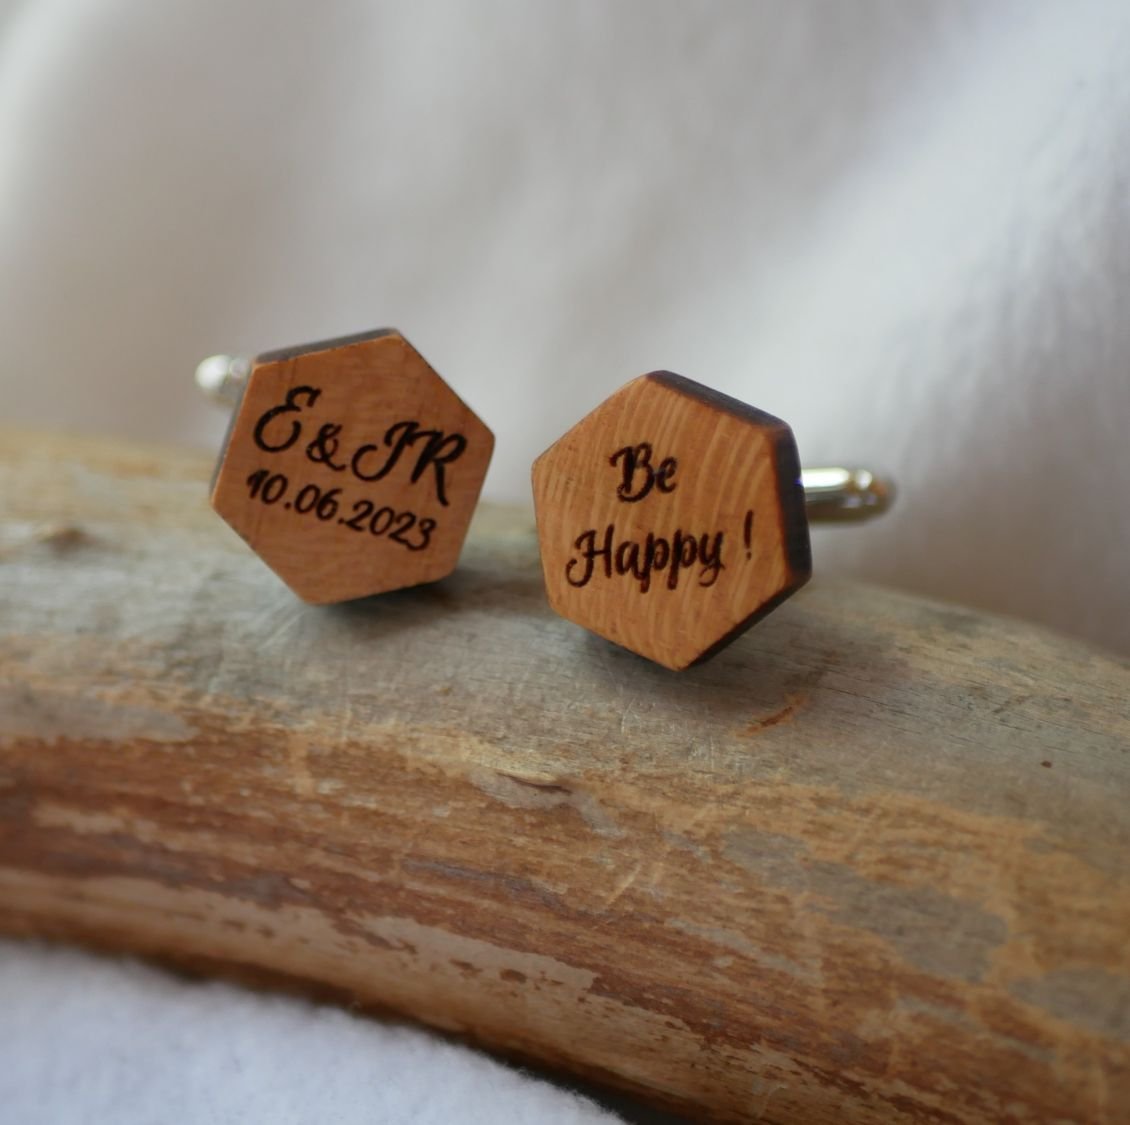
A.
x: 638, y: 476
x: 674, y: 554
x: 426, y: 454
x: 370, y: 461
x: 291, y: 405
x: 683, y: 551
x: 439, y: 451
x: 405, y: 528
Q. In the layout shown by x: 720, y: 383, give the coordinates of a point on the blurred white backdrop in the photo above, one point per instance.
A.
x: 902, y: 227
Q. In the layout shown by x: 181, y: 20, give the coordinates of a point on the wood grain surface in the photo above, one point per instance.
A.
x: 868, y: 865
x: 671, y: 519
x: 351, y: 468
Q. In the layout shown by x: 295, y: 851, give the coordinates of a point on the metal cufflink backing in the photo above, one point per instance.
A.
x: 350, y: 467
x: 673, y: 517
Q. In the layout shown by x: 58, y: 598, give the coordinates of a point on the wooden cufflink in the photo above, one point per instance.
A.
x: 672, y: 518
x: 350, y: 467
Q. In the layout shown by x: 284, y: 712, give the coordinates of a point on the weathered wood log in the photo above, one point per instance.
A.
x: 868, y: 865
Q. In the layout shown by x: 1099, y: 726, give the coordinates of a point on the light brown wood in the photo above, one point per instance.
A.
x: 671, y: 519
x: 869, y: 865
x: 351, y: 468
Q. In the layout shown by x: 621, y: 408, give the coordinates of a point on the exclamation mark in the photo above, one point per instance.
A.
x: 749, y: 535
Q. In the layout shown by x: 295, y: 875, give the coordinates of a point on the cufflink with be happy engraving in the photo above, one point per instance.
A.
x: 672, y: 517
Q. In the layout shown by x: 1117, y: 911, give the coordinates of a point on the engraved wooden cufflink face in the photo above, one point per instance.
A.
x: 673, y: 517
x: 350, y: 467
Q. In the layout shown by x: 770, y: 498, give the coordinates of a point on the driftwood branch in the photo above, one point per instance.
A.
x: 872, y: 864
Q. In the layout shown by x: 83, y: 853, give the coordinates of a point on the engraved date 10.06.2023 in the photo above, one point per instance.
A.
x: 600, y: 551
x: 326, y: 505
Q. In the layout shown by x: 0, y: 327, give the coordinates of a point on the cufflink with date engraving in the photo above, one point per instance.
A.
x: 672, y: 518
x: 350, y: 467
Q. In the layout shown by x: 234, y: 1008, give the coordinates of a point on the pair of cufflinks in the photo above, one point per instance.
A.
x: 670, y: 519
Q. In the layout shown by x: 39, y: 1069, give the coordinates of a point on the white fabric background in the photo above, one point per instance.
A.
x: 131, y: 1044
x: 904, y: 227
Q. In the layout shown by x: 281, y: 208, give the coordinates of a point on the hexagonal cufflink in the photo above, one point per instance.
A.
x: 672, y: 518
x: 350, y: 467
